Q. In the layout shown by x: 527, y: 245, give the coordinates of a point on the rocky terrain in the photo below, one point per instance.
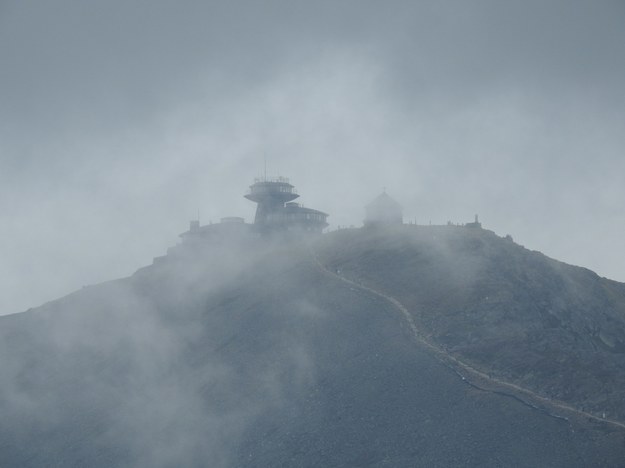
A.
x: 292, y: 354
x: 518, y: 315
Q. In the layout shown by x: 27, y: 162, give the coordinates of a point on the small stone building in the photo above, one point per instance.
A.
x: 383, y: 211
x: 475, y: 224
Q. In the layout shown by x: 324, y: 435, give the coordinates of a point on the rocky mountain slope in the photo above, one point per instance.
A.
x: 518, y: 315
x: 306, y: 354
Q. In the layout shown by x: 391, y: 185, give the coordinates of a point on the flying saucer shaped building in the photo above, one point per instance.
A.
x: 277, y: 211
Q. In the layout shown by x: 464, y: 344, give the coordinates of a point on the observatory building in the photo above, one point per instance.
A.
x: 276, y: 210
x: 382, y: 211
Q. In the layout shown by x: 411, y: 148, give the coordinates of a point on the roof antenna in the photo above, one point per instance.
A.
x: 265, y: 161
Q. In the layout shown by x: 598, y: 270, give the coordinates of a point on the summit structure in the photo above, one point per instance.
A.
x: 270, y: 194
x: 277, y: 211
x: 382, y: 211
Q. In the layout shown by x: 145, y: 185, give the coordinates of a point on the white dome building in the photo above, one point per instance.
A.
x: 383, y: 210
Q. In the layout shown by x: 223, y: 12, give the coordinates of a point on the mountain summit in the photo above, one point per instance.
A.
x: 389, y: 345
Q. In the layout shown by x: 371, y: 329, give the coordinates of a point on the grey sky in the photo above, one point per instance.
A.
x: 120, y: 119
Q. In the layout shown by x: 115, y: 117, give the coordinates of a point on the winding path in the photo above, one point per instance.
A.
x: 478, y: 379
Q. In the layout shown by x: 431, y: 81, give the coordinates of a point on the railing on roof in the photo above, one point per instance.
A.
x: 279, y: 180
x: 269, y: 189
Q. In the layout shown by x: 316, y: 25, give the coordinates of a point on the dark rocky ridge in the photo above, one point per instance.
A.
x: 246, y: 356
x: 556, y: 329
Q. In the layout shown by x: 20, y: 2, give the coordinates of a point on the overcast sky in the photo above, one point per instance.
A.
x: 119, y: 120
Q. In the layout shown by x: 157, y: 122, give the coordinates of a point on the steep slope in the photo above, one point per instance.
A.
x: 255, y: 355
x: 552, y: 328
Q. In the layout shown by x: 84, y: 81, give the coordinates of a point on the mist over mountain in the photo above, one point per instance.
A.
x: 268, y: 345
x: 395, y: 345
x: 120, y: 119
